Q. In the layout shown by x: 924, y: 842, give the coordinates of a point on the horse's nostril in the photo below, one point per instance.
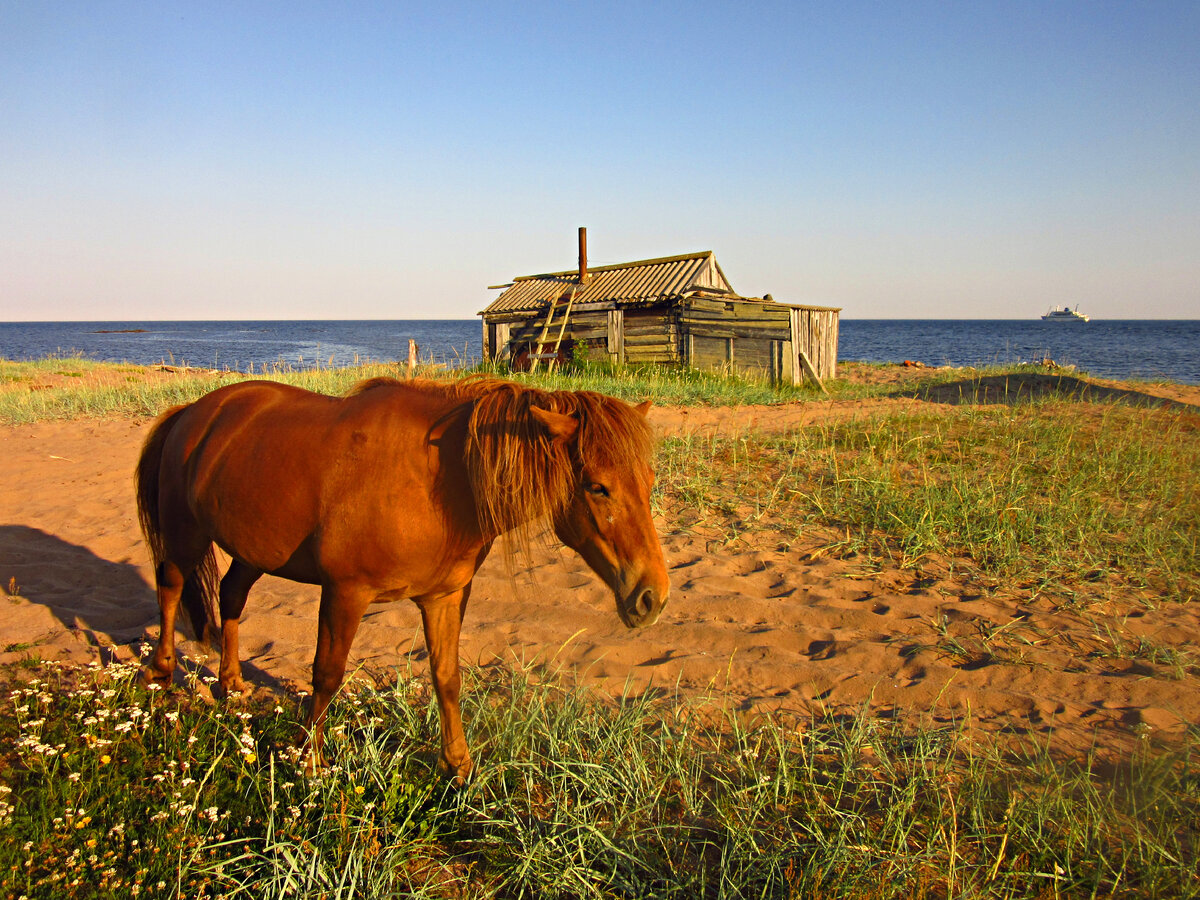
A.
x: 645, y: 602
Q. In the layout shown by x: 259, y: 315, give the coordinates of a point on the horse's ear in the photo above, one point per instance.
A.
x: 560, y: 427
x: 643, y: 407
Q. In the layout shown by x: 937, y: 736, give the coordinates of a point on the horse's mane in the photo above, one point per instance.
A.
x: 518, y: 473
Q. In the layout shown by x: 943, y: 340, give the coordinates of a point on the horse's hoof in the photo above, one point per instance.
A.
x: 151, y: 676
x: 313, y: 765
x: 231, y: 692
x: 459, y: 773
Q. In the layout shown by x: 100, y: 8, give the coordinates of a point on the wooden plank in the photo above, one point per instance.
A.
x: 810, y: 371
x: 645, y: 357
x: 589, y: 333
x: 649, y: 332
x: 589, y: 318
x: 794, y: 349
x: 641, y: 326
x: 651, y: 337
x: 616, y: 335
x: 749, y: 334
x: 773, y: 315
x: 780, y: 321
x: 754, y: 310
x: 701, y: 304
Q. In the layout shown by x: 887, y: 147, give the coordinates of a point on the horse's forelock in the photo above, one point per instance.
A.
x: 611, y: 433
x: 518, y: 473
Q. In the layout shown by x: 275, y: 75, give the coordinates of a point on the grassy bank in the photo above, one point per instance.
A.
x: 1034, y: 493
x: 109, y: 790
x: 72, y: 387
x: 68, y: 388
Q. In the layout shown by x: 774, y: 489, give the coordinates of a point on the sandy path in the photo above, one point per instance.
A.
x: 777, y: 627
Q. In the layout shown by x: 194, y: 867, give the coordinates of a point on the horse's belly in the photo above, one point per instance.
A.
x: 392, y: 596
x: 296, y: 565
x: 305, y: 574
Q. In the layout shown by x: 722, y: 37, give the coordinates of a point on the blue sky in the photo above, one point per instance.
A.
x: 392, y: 160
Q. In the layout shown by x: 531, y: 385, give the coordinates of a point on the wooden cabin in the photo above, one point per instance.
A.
x: 677, y: 310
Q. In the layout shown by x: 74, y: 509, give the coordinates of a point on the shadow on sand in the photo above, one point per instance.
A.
x: 99, y: 602
x: 1023, y: 388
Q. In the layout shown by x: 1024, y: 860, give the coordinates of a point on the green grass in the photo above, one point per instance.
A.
x: 670, y: 385
x: 1029, y: 493
x: 109, y: 790
x: 140, y: 398
x: 125, y: 393
x: 135, y: 396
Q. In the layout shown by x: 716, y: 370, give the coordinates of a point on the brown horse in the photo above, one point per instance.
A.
x: 397, y: 489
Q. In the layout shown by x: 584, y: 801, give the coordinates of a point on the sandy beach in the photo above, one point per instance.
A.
x: 776, y: 627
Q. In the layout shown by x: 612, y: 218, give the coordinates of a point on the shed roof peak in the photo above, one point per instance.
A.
x: 612, y: 267
x: 638, y: 283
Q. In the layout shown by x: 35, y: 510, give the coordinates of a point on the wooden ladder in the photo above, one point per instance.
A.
x: 540, y: 352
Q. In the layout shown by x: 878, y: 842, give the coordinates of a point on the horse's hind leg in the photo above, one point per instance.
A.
x: 169, y: 579
x: 184, y: 552
x: 235, y: 586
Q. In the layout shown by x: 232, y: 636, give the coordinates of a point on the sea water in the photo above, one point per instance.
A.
x: 1117, y: 349
x: 240, y: 344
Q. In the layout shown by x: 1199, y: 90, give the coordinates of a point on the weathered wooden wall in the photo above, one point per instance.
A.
x: 735, y: 335
x: 756, y: 337
x: 815, y: 330
x: 652, y: 335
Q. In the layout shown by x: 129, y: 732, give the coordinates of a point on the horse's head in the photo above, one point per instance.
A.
x: 607, y: 517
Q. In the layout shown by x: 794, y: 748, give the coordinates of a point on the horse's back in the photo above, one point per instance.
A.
x: 272, y: 471
x: 250, y: 407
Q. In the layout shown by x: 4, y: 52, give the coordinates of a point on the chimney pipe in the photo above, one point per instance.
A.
x: 583, y: 272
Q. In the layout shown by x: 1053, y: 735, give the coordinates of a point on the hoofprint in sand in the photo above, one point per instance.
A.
x: 769, y: 625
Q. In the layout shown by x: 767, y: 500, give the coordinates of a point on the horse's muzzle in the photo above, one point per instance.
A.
x: 642, y: 606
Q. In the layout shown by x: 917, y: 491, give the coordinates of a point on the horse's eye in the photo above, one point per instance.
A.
x: 598, y: 489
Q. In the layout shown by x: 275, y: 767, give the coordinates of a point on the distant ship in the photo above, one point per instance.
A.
x: 1065, y: 314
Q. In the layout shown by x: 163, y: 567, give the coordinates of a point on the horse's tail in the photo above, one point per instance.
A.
x: 201, y: 586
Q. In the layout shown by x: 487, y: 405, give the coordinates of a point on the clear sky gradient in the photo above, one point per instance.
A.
x: 391, y: 160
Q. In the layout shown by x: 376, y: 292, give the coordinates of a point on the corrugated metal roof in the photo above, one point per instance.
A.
x: 644, y: 281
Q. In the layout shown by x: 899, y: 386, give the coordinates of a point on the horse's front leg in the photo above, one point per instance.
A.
x: 342, y: 608
x: 442, y: 618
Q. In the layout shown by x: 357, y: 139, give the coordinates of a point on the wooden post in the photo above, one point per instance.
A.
x: 583, y: 272
x: 501, y: 343
x: 797, y: 372
x: 412, y: 357
x: 810, y: 371
x: 616, y: 335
